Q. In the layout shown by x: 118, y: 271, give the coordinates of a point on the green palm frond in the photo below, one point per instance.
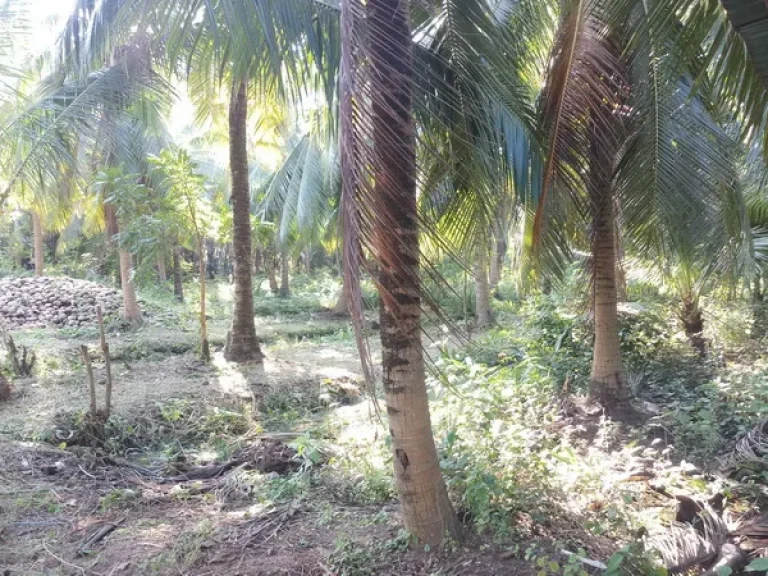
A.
x: 41, y: 135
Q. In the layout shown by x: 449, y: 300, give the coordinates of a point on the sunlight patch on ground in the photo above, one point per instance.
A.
x: 230, y: 379
x: 224, y: 292
x: 360, y: 423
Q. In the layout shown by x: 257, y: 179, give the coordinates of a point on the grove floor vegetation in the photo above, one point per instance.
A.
x: 285, y: 469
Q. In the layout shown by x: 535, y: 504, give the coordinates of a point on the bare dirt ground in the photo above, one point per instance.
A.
x: 54, y: 499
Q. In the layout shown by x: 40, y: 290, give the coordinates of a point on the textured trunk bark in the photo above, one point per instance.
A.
x: 242, y: 344
x: 51, y: 242
x: 693, y: 323
x: 178, y: 285
x: 609, y: 385
x: 497, y: 260
x: 205, y: 350
x: 621, y: 277
x: 272, y: 274
x: 257, y: 262
x: 427, y: 510
x: 482, y: 289
x: 37, y: 231
x: 285, y: 266
x: 131, y: 311
x: 211, y: 258
x: 162, y: 275
x: 342, y: 304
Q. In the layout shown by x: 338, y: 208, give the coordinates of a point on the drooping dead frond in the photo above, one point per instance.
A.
x: 684, y: 546
x: 579, y: 111
x: 750, y: 450
x: 401, y: 95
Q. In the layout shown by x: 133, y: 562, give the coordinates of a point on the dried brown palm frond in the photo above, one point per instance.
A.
x: 684, y: 546
x: 750, y: 450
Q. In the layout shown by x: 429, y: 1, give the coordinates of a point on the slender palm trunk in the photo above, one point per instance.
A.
x: 162, y: 275
x: 427, y: 510
x: 37, y: 230
x: 609, y: 385
x: 205, y: 350
x: 178, y: 285
x: 342, y: 304
x: 131, y: 310
x: 621, y: 277
x: 272, y: 274
x: 242, y: 344
x: 497, y: 259
x: 285, y: 267
x: 482, y: 288
x: 257, y: 258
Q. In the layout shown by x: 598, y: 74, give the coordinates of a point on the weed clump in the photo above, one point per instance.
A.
x: 173, y: 423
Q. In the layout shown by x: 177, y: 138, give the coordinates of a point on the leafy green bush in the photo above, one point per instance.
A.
x: 492, y: 422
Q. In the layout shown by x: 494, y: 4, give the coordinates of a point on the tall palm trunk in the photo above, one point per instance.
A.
x: 285, y: 267
x: 497, y: 260
x: 205, y: 350
x: 427, y: 510
x: 162, y: 275
x: 37, y: 230
x: 242, y: 344
x: 178, y: 285
x: 272, y: 274
x: 608, y: 383
x: 131, y: 310
x: 482, y: 288
x: 621, y: 277
x: 257, y: 259
x: 342, y: 304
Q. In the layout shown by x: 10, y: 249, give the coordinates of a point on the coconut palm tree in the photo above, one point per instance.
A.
x: 669, y: 176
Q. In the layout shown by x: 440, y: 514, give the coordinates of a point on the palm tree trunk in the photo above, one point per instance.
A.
x: 342, y: 304
x: 178, y: 285
x: 497, y: 259
x: 205, y: 350
x: 608, y: 383
x: 131, y: 311
x: 242, y: 344
x: 162, y: 275
x: 427, y: 510
x: 257, y: 259
x: 285, y: 266
x: 482, y: 288
x: 621, y: 277
x: 37, y: 230
x: 272, y: 274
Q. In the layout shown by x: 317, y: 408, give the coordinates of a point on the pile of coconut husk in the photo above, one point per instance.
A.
x: 39, y: 302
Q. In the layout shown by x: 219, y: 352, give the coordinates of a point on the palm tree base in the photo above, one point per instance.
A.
x: 613, y: 396
x: 242, y: 348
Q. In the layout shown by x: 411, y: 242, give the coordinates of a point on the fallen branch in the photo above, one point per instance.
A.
x: 102, y: 533
x: 63, y: 562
